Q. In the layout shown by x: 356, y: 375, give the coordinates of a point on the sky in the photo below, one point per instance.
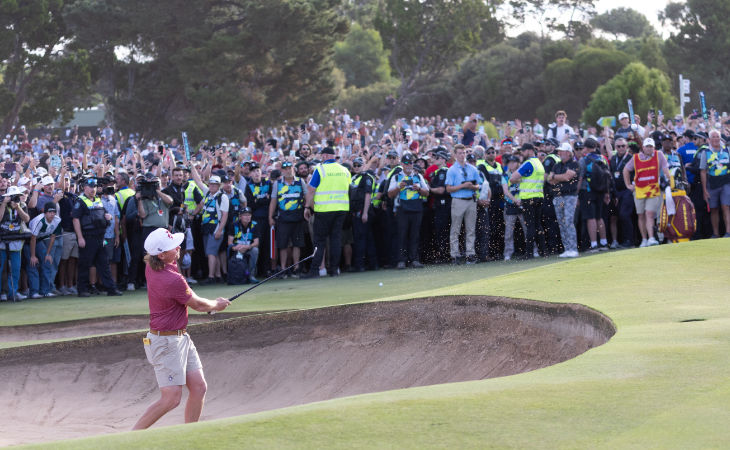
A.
x: 650, y: 9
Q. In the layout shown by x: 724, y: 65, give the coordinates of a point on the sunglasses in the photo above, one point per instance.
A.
x: 491, y: 152
x: 357, y: 165
x: 620, y: 146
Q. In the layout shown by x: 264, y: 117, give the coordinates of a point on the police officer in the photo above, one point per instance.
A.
x: 551, y: 229
x: 531, y: 176
x: 329, y: 202
x: 391, y: 224
x: 90, y: 220
x: 407, y: 188
x: 493, y: 171
x: 361, y: 193
x: 258, y: 198
x: 287, y: 197
x: 441, y: 206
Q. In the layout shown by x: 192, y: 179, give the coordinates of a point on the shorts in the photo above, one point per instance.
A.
x: 591, y: 204
x: 70, y: 246
x: 289, y: 234
x: 212, y: 245
x: 113, y: 254
x: 719, y: 196
x: 172, y: 357
x: 652, y: 204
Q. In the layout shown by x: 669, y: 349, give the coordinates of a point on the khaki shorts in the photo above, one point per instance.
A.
x: 171, y: 357
x: 652, y: 204
x: 70, y: 246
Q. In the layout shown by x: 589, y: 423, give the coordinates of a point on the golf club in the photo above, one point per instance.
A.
x: 270, y: 277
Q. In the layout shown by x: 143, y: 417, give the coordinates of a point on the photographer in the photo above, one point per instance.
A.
x: 153, y: 205
x: 90, y: 220
x: 13, y: 217
x: 187, y: 199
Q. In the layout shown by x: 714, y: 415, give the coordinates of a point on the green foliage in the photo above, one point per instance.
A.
x: 503, y: 81
x: 362, y: 58
x: 700, y: 46
x: 623, y: 22
x: 368, y: 101
x: 647, y: 88
x: 43, y: 75
x: 428, y: 37
x: 218, y: 68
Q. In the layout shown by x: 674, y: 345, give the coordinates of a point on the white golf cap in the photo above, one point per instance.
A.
x: 649, y: 142
x: 161, y: 240
x: 214, y: 179
x: 623, y: 115
x: 46, y: 180
x: 565, y: 147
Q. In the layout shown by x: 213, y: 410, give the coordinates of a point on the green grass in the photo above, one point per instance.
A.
x: 274, y: 295
x: 658, y: 383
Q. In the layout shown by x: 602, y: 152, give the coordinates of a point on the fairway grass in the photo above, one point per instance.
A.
x: 660, y: 382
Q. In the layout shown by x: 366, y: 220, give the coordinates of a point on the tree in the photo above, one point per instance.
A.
x: 215, y: 68
x: 362, y: 58
x: 570, y: 83
x: 44, y: 74
x: 647, y: 89
x: 700, y: 46
x: 551, y: 16
x: 623, y: 22
x: 503, y: 81
x: 427, y: 37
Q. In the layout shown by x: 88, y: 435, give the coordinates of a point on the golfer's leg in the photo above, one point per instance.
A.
x: 169, y: 399
x: 197, y: 386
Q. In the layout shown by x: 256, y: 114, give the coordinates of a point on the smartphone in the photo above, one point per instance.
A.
x: 438, y: 134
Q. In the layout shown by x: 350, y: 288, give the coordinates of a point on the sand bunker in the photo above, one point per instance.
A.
x: 255, y: 363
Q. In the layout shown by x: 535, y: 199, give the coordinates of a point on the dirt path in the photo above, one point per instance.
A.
x: 255, y: 363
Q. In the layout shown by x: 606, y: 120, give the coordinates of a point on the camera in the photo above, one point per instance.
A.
x: 15, y: 199
x: 148, y: 189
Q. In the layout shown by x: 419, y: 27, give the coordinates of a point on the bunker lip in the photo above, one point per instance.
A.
x: 96, y: 326
x: 103, y: 384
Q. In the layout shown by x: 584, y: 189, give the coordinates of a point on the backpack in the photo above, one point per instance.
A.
x: 238, y: 268
x: 599, y: 177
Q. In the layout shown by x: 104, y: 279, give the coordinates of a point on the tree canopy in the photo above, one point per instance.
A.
x: 647, y: 89
x: 362, y: 58
x: 626, y: 22
x: 43, y: 76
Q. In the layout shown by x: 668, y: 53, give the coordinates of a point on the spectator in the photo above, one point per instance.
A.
x: 215, y: 215
x: 44, y: 253
x: 13, y: 214
x: 462, y: 182
x: 563, y: 181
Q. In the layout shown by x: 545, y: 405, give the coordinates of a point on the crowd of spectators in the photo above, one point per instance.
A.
x: 425, y: 190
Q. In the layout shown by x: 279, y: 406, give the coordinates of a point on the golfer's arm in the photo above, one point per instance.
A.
x: 201, y: 304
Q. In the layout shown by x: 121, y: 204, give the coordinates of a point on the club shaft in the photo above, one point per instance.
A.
x: 273, y: 276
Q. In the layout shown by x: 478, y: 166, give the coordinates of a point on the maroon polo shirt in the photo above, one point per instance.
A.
x: 168, y: 294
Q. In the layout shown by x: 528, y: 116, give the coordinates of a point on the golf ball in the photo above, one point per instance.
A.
x: 380, y: 284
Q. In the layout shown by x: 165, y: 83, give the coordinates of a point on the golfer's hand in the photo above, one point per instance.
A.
x: 221, y: 304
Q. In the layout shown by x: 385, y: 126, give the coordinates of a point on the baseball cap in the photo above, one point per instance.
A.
x: 328, y: 150
x: 46, y: 180
x: 407, y: 158
x: 392, y: 154
x: 649, y: 142
x: 623, y: 115
x: 161, y: 240
x: 215, y: 179
x: 552, y: 141
x: 49, y: 207
x: 565, y: 147
x: 245, y: 210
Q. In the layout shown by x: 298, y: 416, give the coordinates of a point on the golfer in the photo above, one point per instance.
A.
x: 168, y: 346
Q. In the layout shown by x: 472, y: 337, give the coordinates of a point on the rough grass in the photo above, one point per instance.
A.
x: 658, y: 383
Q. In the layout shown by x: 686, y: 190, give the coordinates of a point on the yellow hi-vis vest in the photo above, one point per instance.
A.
x: 332, y: 194
x: 531, y: 187
x: 189, y: 200
x: 123, y: 195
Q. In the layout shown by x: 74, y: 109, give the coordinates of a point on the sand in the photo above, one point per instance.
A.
x: 259, y: 362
